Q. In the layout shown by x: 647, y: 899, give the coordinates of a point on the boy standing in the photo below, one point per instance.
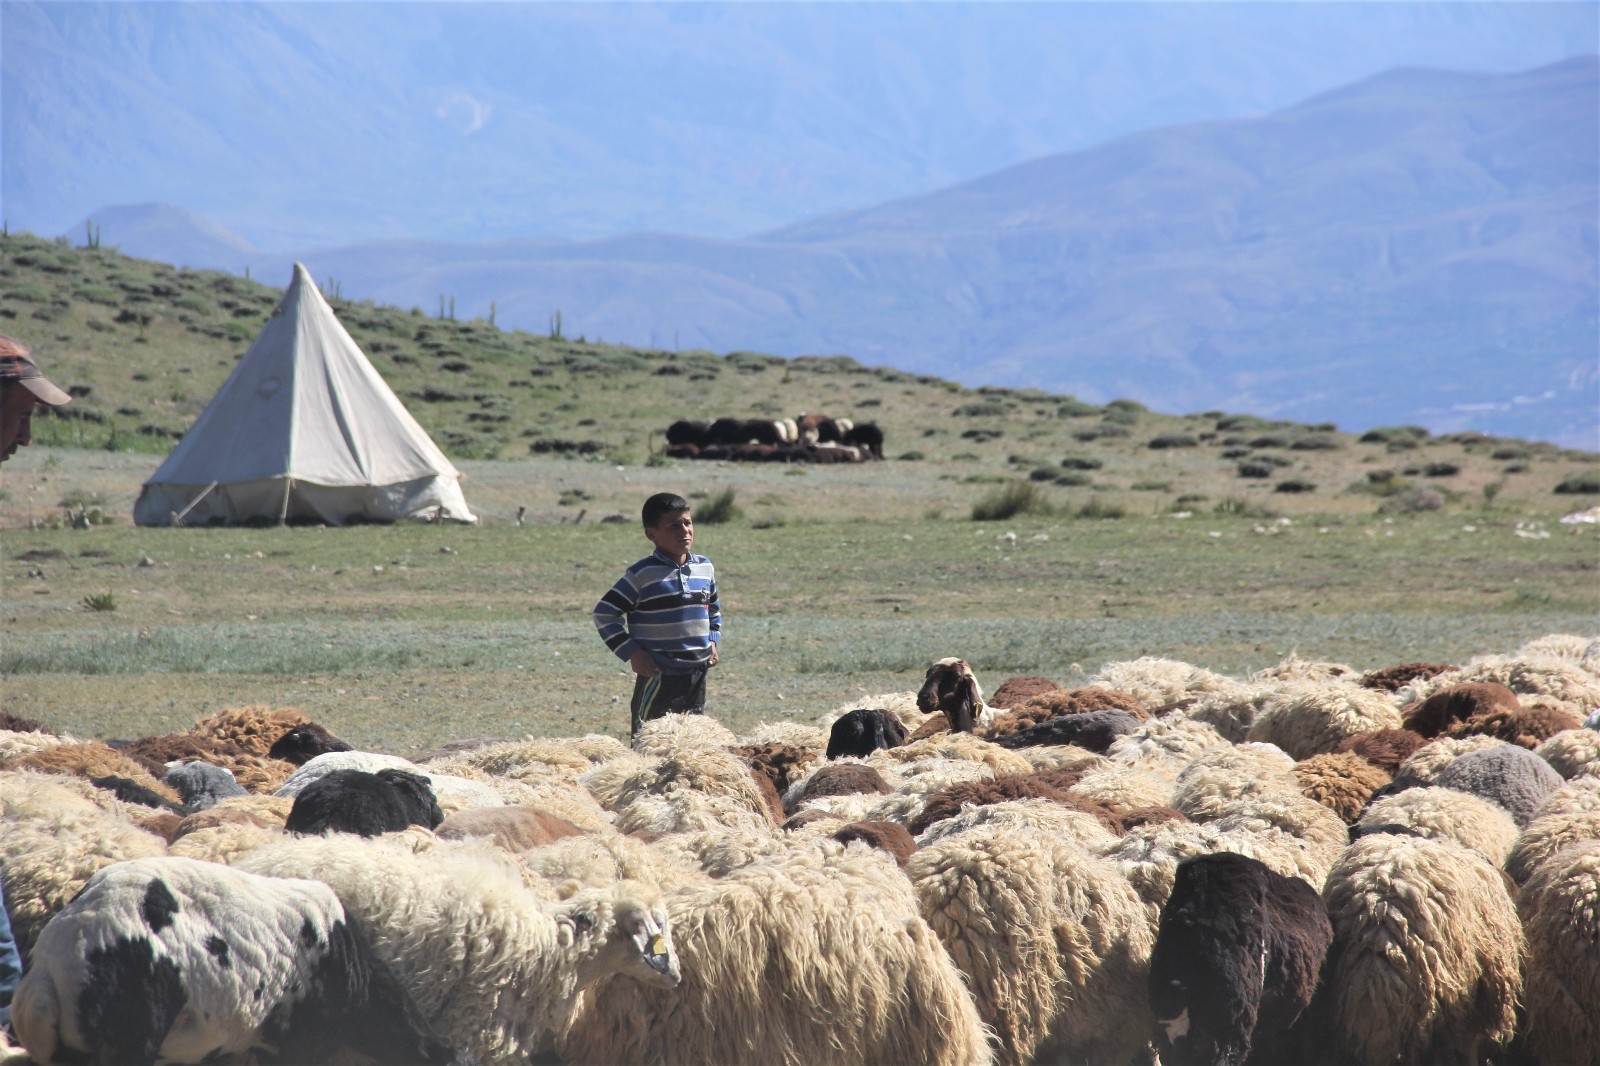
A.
x: 662, y: 616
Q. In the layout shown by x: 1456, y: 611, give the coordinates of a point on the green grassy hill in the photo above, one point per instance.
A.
x: 144, y: 345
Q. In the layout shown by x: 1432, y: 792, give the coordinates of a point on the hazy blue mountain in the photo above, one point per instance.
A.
x: 1418, y: 247
x: 170, y: 234
x: 298, y: 124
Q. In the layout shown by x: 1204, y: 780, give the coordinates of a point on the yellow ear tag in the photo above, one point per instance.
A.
x: 658, y: 944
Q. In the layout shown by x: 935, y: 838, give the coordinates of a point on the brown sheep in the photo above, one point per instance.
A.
x: 255, y: 773
x: 783, y: 764
x: 1457, y: 703
x: 1013, y: 691
x: 1526, y: 727
x: 93, y: 759
x: 1343, y: 783
x: 1133, y: 819
x: 890, y: 837
x: 264, y: 812
x: 512, y: 828
x: 254, y: 728
x: 1050, y: 784
x: 1384, y: 748
x: 950, y: 688
x: 1089, y: 698
x: 840, y: 779
x: 1395, y: 678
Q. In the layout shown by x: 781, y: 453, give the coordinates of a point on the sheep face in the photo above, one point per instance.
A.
x: 951, y: 687
x: 623, y: 930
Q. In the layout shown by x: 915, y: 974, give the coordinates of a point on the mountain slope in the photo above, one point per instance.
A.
x: 1420, y: 247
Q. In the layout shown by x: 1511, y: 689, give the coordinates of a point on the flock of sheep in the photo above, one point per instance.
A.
x: 1308, y: 865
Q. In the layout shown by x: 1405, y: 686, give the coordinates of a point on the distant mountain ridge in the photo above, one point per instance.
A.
x: 1417, y: 247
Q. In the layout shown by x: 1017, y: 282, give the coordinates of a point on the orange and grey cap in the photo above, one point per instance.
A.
x: 16, y: 365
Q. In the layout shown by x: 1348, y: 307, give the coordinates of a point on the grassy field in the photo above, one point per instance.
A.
x: 1127, y: 532
x: 400, y: 637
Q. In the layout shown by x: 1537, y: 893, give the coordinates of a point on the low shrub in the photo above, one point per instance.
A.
x: 1096, y: 508
x: 1014, y: 498
x: 718, y: 509
x: 1174, y: 440
x: 1295, y: 484
x: 1584, y: 483
x: 1413, y: 500
x: 1081, y: 462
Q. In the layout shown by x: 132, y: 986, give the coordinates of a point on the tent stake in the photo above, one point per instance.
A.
x: 288, y: 487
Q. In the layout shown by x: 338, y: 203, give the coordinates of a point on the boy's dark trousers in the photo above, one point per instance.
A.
x: 667, y: 694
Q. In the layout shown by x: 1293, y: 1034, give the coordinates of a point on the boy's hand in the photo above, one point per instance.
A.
x: 642, y: 664
x: 713, y: 660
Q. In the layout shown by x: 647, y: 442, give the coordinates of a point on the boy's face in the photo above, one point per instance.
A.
x: 673, y: 535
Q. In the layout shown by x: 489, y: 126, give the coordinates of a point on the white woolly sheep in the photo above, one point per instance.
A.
x: 1560, y: 911
x: 809, y: 738
x: 1230, y: 772
x: 966, y: 746
x: 1546, y: 836
x: 1579, y: 794
x: 1294, y: 668
x: 47, y: 856
x: 1125, y: 788
x: 1055, y: 820
x: 1557, y: 646
x: 1233, y: 711
x: 605, y: 858
x: 1055, y: 944
x: 17, y: 744
x: 816, y: 955
x: 1444, y: 813
x: 1572, y: 752
x: 496, y: 969
x: 1158, y: 682
x: 672, y: 732
x: 1306, y: 719
x: 1170, y: 742
x: 177, y: 960
x: 1427, y: 952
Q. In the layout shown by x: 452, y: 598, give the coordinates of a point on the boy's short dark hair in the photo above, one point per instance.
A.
x: 660, y: 505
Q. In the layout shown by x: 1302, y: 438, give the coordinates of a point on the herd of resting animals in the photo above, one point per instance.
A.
x: 1306, y: 865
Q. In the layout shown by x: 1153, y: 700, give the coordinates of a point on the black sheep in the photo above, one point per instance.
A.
x: 354, y: 801
x: 1236, y: 960
x: 861, y: 732
x: 305, y: 742
x: 130, y: 791
x: 1094, y: 730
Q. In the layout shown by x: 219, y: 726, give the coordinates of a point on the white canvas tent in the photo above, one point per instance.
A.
x: 303, y: 429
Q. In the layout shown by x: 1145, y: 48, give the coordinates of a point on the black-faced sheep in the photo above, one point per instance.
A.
x: 1092, y: 730
x: 809, y: 956
x: 1513, y: 777
x: 176, y: 960
x: 495, y: 969
x: 353, y: 801
x: 1236, y: 960
x: 890, y: 837
x: 305, y: 742
x: 203, y: 785
x: 1560, y: 911
x: 1425, y: 965
x: 859, y: 733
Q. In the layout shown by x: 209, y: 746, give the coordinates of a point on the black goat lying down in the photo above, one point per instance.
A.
x: 1094, y: 730
x: 1236, y: 960
x: 354, y: 801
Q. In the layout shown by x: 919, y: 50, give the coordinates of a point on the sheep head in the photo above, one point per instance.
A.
x: 622, y: 929
x: 951, y: 687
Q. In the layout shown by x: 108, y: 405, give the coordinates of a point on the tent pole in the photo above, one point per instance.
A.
x: 177, y: 519
x: 283, y: 513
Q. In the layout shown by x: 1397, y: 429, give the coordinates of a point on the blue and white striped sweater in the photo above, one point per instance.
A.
x: 669, y: 611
